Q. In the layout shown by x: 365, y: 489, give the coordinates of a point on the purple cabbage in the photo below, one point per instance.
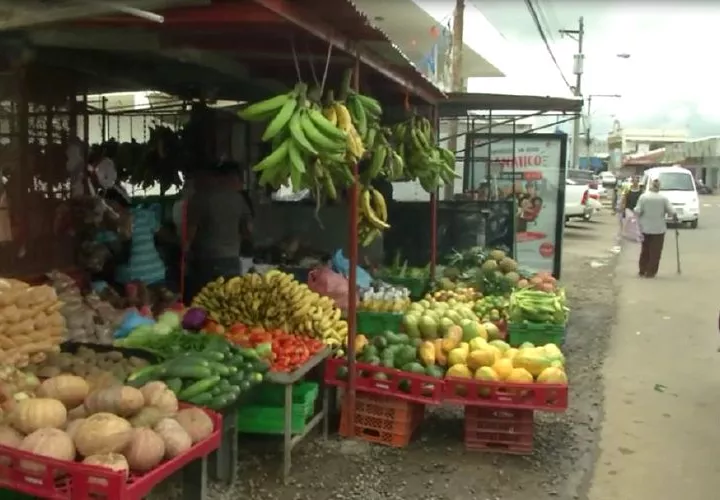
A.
x: 194, y: 319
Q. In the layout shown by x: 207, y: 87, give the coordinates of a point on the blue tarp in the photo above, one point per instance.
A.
x: 593, y: 163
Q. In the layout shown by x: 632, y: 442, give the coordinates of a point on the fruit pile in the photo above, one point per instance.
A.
x: 535, y: 306
x: 430, y: 320
x: 461, y: 294
x: 288, y: 352
x: 274, y: 301
x: 396, y: 350
x: 497, y: 361
x: 492, y: 308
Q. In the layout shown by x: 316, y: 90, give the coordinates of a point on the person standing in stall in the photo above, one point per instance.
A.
x: 216, y: 215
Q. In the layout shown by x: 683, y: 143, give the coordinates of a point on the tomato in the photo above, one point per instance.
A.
x: 238, y: 329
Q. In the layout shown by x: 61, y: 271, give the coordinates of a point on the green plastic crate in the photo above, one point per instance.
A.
x: 536, y: 333
x: 13, y: 495
x: 265, y: 413
x: 375, y: 323
x: 418, y: 286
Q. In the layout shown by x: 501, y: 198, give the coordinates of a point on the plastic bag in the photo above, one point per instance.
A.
x: 325, y: 281
x: 631, y: 229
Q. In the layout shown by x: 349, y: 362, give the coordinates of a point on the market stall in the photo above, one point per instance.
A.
x: 504, y: 158
x: 331, y: 136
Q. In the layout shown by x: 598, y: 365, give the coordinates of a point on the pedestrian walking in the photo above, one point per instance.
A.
x: 652, y: 208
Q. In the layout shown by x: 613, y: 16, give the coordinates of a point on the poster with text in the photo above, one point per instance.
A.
x: 528, y: 169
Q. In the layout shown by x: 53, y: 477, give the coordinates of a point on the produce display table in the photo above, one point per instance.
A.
x: 287, y: 380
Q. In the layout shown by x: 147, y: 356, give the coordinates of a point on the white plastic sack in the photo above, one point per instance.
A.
x: 631, y: 228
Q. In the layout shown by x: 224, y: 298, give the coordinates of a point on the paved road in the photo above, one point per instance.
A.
x: 660, y: 437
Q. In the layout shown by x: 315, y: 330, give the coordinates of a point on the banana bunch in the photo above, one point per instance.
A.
x: 273, y: 300
x: 307, y: 149
x: 431, y: 164
x: 339, y: 115
x: 372, y: 216
x: 384, y: 160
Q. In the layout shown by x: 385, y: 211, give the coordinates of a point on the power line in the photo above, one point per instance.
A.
x: 544, y: 21
x: 541, y: 31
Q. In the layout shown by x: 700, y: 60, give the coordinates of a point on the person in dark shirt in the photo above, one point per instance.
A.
x: 217, y: 214
x: 630, y: 196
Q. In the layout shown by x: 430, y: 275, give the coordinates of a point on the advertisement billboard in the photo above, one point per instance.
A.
x: 529, y: 169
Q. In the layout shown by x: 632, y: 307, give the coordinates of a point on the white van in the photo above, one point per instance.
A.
x: 678, y: 184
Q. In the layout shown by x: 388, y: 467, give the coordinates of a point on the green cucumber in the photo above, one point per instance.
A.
x: 219, y: 402
x: 192, y: 359
x: 213, y: 356
x: 148, y: 372
x: 237, y: 378
x: 219, y: 369
x: 224, y: 384
x: 201, y: 399
x: 199, y: 387
x: 174, y: 384
x: 190, y: 371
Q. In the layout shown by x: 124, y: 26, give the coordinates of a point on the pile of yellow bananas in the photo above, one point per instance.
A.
x: 424, y: 160
x: 273, y: 300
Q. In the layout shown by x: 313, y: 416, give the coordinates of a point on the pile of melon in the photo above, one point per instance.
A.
x: 117, y: 427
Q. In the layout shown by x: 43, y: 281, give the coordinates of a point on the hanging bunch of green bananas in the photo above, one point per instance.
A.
x: 307, y: 149
x: 425, y: 161
x: 372, y: 215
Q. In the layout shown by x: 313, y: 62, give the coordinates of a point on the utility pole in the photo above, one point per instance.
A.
x: 578, y: 35
x: 457, y: 83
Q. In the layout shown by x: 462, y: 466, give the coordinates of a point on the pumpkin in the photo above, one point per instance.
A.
x: 112, y: 461
x: 165, y: 400
x: 70, y: 390
x: 177, y: 440
x: 73, y: 426
x: 145, y: 450
x: 11, y: 438
x: 51, y: 443
x: 148, y: 417
x: 196, y: 423
x: 102, y: 433
x: 123, y: 401
x: 32, y: 414
x: 77, y: 412
x: 149, y: 389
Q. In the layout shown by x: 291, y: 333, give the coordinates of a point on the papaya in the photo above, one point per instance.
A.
x: 452, y: 339
x: 427, y: 353
x: 440, y: 356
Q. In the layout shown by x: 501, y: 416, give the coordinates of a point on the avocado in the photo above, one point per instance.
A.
x: 435, y: 371
x: 379, y: 342
x: 414, y: 367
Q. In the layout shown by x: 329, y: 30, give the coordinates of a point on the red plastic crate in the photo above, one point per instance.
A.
x: 499, y: 430
x: 420, y: 388
x: 63, y: 480
x: 383, y: 419
x: 471, y: 392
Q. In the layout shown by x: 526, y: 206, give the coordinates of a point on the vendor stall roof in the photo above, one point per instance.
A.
x: 459, y: 104
x: 278, y: 40
x: 17, y: 14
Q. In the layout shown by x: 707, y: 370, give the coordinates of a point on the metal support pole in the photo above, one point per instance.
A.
x: 578, y: 70
x: 352, y: 280
x: 434, y: 205
x: 457, y: 79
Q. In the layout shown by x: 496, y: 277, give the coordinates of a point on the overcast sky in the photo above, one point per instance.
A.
x: 669, y: 81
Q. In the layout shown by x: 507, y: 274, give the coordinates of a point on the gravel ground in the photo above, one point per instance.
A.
x: 435, y: 466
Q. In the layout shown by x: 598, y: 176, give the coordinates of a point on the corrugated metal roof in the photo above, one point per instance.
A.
x: 348, y: 18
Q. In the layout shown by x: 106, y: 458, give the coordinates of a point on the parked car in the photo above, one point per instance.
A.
x: 608, y: 180
x: 678, y: 184
x: 576, y: 201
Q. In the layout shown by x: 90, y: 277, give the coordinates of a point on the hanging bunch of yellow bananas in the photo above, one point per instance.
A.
x: 431, y: 164
x: 307, y: 149
x: 372, y: 215
x: 338, y: 114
